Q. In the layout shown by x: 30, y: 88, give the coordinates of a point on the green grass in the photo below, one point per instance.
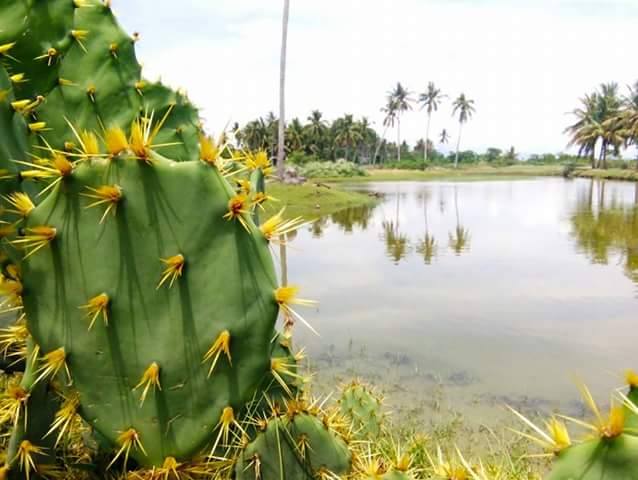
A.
x: 610, y: 174
x: 311, y: 201
x: 323, y: 196
x: 476, y: 172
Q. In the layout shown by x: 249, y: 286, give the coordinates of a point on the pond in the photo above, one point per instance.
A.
x: 460, y: 297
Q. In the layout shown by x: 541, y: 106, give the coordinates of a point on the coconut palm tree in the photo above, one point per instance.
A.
x: 281, y: 154
x: 389, y: 120
x: 400, y: 98
x: 465, y: 108
x: 294, y: 136
x: 316, y: 131
x: 596, y: 125
x: 444, y: 137
x: 347, y: 133
x: 255, y: 135
x: 585, y: 131
x: 430, y: 100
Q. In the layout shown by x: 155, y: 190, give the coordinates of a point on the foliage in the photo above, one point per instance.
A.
x: 340, y: 168
x: 606, y: 123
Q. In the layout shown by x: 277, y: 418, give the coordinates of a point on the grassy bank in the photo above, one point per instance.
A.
x: 312, y: 201
x: 475, y: 172
x: 323, y: 196
x: 610, y: 174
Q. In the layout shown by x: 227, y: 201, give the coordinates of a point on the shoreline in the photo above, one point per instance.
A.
x: 319, y: 197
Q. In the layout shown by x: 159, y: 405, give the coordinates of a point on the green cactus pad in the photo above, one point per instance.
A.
x: 94, y: 78
x: 363, y: 408
x: 294, y: 447
x: 103, y: 72
x: 180, y: 133
x: 14, y: 137
x: 36, y: 27
x: 606, y: 459
x: 40, y: 410
x: 167, y: 209
x: 631, y: 419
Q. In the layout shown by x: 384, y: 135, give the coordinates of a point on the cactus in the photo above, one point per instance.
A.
x: 163, y: 320
x: 610, y: 451
x: 14, y: 137
x: 31, y: 407
x: 362, y: 407
x: 296, y: 445
x: 71, y: 60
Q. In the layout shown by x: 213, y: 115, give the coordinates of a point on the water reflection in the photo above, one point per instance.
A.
x: 482, y: 287
x: 353, y: 217
x: 606, y: 230
x: 396, y: 243
x: 426, y: 246
x: 460, y: 238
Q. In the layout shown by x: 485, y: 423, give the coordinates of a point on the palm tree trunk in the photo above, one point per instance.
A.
x: 399, y: 138
x: 378, y: 147
x: 458, y: 145
x: 427, y: 137
x: 282, y: 91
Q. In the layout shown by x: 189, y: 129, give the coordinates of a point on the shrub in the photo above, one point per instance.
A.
x: 301, y: 158
x: 340, y: 168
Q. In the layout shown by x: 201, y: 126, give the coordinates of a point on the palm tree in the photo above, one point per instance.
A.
x: 444, y: 137
x: 294, y: 136
x: 316, y: 131
x: 388, y: 122
x: 281, y: 154
x: 402, y: 102
x: 254, y: 135
x: 465, y: 108
x: 585, y: 131
x: 596, y: 125
x: 348, y: 133
x: 430, y: 100
x: 609, y: 107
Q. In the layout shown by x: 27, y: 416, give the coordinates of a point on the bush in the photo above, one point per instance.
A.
x: 301, y: 158
x: 407, y: 164
x: 340, y: 168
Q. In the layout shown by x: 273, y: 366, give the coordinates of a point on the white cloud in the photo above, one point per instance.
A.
x: 525, y: 63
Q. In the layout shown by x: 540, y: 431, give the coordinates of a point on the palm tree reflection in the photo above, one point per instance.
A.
x: 396, y: 243
x: 460, y: 237
x: 427, y: 247
x: 602, y: 231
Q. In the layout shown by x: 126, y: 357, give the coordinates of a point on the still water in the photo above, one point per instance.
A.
x: 464, y: 296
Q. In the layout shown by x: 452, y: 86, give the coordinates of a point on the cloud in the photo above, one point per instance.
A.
x: 525, y: 63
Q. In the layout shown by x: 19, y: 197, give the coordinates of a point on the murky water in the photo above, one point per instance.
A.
x: 466, y: 296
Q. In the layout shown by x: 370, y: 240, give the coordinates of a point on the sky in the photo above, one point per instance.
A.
x: 525, y: 63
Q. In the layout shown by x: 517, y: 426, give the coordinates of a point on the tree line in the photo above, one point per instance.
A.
x: 354, y: 138
x: 606, y: 123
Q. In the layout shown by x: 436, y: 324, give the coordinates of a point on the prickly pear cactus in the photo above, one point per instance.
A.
x: 14, y: 135
x: 153, y: 298
x: 363, y: 408
x: 31, y: 406
x: 70, y: 60
x: 600, y: 459
x: 296, y: 445
x: 610, y: 451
